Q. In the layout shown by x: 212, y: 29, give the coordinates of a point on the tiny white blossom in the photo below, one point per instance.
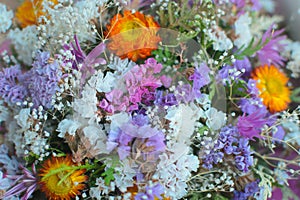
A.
x: 220, y: 41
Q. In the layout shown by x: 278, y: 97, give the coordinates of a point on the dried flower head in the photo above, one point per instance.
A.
x: 132, y: 35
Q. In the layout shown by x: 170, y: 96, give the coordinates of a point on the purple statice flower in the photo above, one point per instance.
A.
x: 250, y: 126
x: 230, y: 143
x: 116, y: 101
x: 140, y: 86
x: 82, y: 62
x: 251, y: 88
x: 151, y: 193
x: 200, y: 78
x: 239, y: 70
x: 26, y: 182
x: 184, y: 93
x: 239, y: 3
x: 5, y: 47
x: 140, y: 120
x: 134, y: 133
x: 243, y: 155
x: 243, y: 66
x: 166, y: 81
x: 225, y: 141
x: 42, y: 80
x: 255, y: 5
x: 270, y: 53
x: 223, y: 74
x: 213, y: 158
x: 167, y: 99
x: 249, y: 191
x: 11, y: 88
x: 279, y: 133
x: 253, y: 103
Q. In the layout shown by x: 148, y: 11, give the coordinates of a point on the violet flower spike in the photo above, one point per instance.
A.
x: 89, y: 60
x: 25, y: 182
x: 270, y: 53
x: 250, y: 126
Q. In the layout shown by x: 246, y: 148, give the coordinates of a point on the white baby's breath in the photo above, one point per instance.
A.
x: 25, y: 42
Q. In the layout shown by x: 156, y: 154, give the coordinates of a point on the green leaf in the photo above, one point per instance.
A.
x: 108, y: 175
x: 295, y: 96
x: 196, y: 196
x: 220, y: 197
x: 288, y: 194
x: 239, y: 88
x: 212, y: 90
x: 251, y: 49
x: 31, y: 158
x: 202, y: 129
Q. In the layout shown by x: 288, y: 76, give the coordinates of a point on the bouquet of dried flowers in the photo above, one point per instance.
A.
x: 148, y: 99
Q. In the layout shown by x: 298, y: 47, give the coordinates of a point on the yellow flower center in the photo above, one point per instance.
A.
x: 61, y: 178
x: 131, y: 30
x: 54, y: 185
x: 132, y: 35
x: 273, y: 86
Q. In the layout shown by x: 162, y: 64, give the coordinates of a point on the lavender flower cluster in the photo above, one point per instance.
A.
x: 37, y: 85
x: 230, y: 147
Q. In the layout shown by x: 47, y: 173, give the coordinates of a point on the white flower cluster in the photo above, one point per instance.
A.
x: 291, y: 123
x: 25, y: 42
x: 68, y: 20
x: 84, y: 121
x: 175, y: 169
x: 5, y: 18
x: 220, y: 41
x: 172, y: 170
x: 26, y: 132
x: 293, y: 52
x: 242, y: 30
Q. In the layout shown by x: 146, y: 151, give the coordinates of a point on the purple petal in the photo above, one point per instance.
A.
x: 15, y: 190
x: 91, y: 57
x: 29, y: 191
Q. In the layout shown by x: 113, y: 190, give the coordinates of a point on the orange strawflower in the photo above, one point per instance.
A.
x: 133, y: 35
x: 272, y: 84
x: 61, y: 179
x: 30, y: 11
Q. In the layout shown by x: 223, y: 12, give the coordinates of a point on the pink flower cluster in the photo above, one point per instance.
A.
x: 140, y: 85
